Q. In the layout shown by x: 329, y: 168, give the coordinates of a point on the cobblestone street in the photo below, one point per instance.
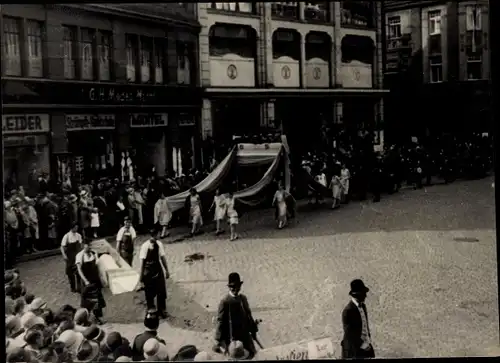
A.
x: 428, y: 256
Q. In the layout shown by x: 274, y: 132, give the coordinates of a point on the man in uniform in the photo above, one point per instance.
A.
x: 125, y: 241
x: 71, y: 244
x: 153, y: 273
x: 234, y: 319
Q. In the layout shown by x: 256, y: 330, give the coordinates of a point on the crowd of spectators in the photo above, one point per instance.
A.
x: 36, y: 333
x: 36, y: 220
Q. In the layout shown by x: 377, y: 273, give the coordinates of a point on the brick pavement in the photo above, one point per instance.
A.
x: 433, y: 286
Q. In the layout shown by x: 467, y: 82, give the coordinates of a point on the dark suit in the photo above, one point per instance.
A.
x: 235, y: 322
x: 139, y: 341
x: 351, y: 342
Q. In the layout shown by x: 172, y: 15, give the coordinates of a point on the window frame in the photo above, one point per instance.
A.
x: 34, y: 59
x: 160, y: 65
x: 72, y: 56
x: 470, y: 26
x: 284, y: 8
x: 434, y: 17
x: 84, y: 44
x: 131, y: 51
x: 435, y: 64
x: 146, y: 59
x: 391, y: 24
x: 474, y: 59
x: 18, y: 72
x: 183, y: 54
x: 108, y: 45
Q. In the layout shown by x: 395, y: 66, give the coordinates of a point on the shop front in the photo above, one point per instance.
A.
x: 26, y: 152
x: 91, y: 144
x: 184, y: 138
x: 148, y: 137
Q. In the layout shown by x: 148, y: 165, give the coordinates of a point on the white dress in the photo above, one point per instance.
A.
x: 335, y: 185
x: 195, y: 210
x: 279, y: 196
x: 94, y: 220
x: 231, y: 212
x: 220, y: 207
x: 345, y: 175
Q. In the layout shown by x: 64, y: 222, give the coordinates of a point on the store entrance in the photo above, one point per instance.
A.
x: 149, y: 150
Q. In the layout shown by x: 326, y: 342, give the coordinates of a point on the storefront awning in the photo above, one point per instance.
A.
x: 266, y: 93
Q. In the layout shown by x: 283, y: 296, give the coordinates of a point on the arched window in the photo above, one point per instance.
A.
x: 232, y: 39
x: 286, y: 43
x: 358, y: 48
x: 318, y: 45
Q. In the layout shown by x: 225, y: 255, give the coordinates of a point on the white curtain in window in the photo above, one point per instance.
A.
x: 104, y: 59
x: 145, y: 63
x: 34, y: 48
x: 159, y: 64
x: 130, y: 61
x: 473, y: 18
x: 12, y: 48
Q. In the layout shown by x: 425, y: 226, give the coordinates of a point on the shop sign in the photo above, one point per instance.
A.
x: 186, y: 120
x: 25, y: 124
x: 24, y: 140
x: 90, y: 122
x: 148, y: 119
x: 109, y: 94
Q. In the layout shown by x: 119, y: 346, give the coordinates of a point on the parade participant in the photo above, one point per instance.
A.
x: 70, y: 246
x: 92, y: 298
x: 151, y: 323
x: 153, y: 273
x: 84, y: 211
x: 94, y: 221
x: 194, y: 203
x: 280, y: 204
x: 345, y: 176
x: 220, y: 211
x: 232, y: 215
x: 11, y: 234
x: 336, y: 188
x: 234, y: 319
x: 357, y: 339
x: 125, y: 241
x: 162, y: 215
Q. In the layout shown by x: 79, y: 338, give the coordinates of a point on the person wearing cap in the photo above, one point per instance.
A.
x: 13, y: 326
x: 70, y: 247
x: 92, y: 297
x: 162, y: 215
x: 125, y: 241
x: 234, y: 318
x: 115, y: 346
x: 88, y: 351
x: 82, y: 320
x: 236, y: 351
x: 153, y: 273
x: 155, y: 351
x: 356, y: 342
x: 94, y: 333
x: 151, y: 323
x: 37, y: 305
x: 34, y: 341
x: 72, y: 341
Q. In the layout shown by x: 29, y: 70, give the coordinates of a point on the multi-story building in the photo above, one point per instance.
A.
x: 292, y: 66
x: 95, y: 91
x: 437, y: 66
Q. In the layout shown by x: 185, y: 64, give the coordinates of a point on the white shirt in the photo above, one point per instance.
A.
x: 365, y: 336
x: 71, y: 237
x: 146, y: 246
x: 82, y: 257
x: 119, y: 236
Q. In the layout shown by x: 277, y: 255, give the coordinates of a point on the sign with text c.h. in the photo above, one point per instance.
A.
x: 148, y: 119
x: 25, y: 124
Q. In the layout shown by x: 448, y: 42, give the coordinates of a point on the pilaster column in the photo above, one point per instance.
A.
x: 336, y: 46
x: 303, y: 70
x: 206, y: 119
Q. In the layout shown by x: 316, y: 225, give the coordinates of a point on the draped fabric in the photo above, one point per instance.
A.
x: 275, y: 154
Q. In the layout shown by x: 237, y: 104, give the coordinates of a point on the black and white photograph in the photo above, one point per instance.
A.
x: 196, y: 181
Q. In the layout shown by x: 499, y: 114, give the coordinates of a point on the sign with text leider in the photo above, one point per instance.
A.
x: 148, y: 119
x: 25, y: 124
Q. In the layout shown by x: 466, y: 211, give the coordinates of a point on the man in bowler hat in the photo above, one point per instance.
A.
x: 234, y: 319
x: 356, y: 342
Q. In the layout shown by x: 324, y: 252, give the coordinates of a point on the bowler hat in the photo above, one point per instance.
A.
x: 358, y: 287
x: 234, y: 279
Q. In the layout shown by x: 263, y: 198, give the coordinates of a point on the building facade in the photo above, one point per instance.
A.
x: 437, y: 66
x: 94, y: 91
x: 289, y: 66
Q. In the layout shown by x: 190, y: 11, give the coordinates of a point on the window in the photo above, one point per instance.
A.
x: 226, y: 39
x: 436, y: 69
x: 105, y: 57
x: 69, y: 45
x: 434, y: 22
x: 286, y: 44
x: 35, y: 56
x: 12, y: 48
x: 131, y: 57
x: 357, y: 13
x: 239, y: 6
x: 183, y: 64
x: 159, y: 61
x: 146, y: 58
x: 394, y: 27
x: 317, y: 10
x: 87, y: 46
x: 474, y: 67
x: 474, y: 18
x: 286, y: 9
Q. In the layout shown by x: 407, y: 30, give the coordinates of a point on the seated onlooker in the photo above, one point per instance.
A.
x: 151, y: 323
x: 9, y: 305
x: 62, y: 327
x: 237, y: 351
x: 82, y: 320
x: 89, y: 351
x: 155, y: 351
x: 72, y: 341
x: 30, y: 320
x: 185, y: 353
x: 62, y: 352
x: 34, y: 341
x: 115, y: 345
x: 204, y: 356
x: 18, y: 355
x: 20, y: 306
x: 94, y: 333
x: 29, y: 298
x: 13, y: 327
x: 37, y: 305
